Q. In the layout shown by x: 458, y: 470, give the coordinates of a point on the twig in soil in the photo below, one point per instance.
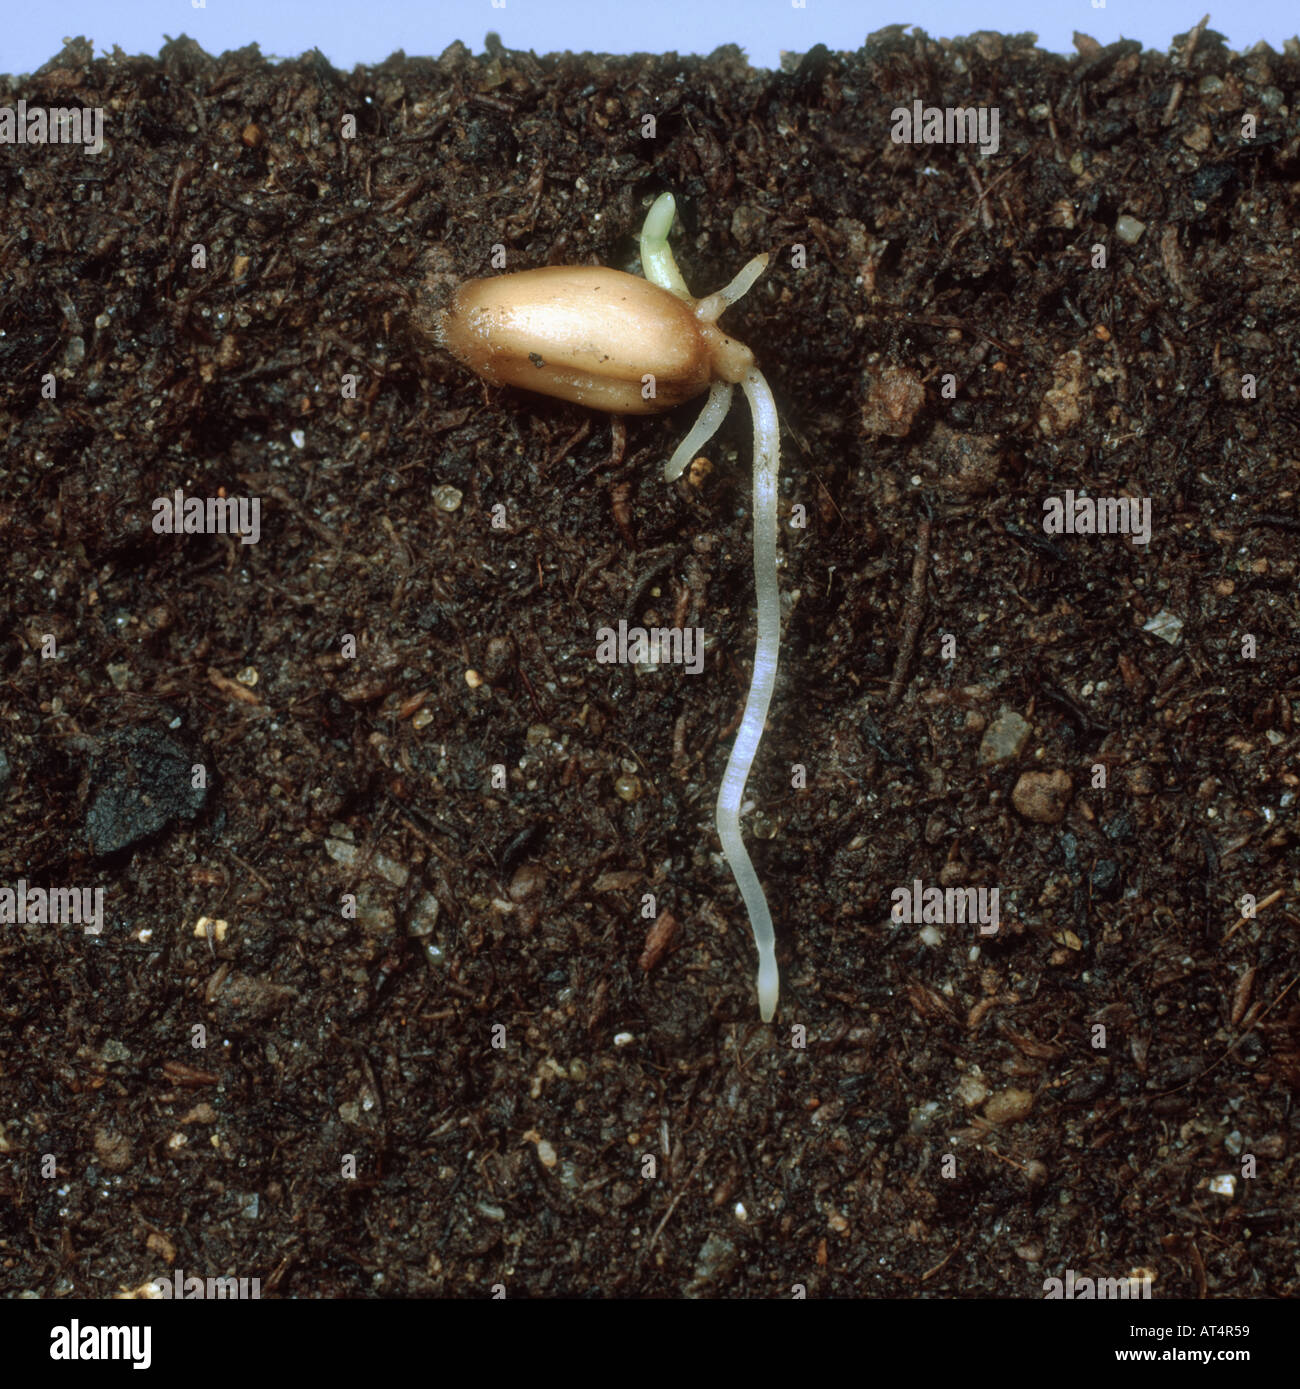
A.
x: 673, y: 1204
x: 248, y: 868
x: 913, y: 611
x: 1235, y: 1043
x: 1267, y: 902
x: 930, y: 1272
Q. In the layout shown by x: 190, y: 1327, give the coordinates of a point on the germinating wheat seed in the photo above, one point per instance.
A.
x: 618, y: 343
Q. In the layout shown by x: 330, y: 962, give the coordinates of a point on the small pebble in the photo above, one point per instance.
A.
x: 894, y: 398
x: 1043, y: 796
x: 713, y: 1264
x: 529, y: 879
x: 1129, y: 229
x: 113, y: 1150
x: 972, y: 1091
x: 1142, y: 780
x: 342, y: 850
x: 1165, y: 626
x: 1004, y: 739
x: 1009, y: 1106
x: 423, y: 920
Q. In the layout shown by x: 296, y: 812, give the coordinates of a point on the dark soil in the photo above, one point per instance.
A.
x: 525, y: 1104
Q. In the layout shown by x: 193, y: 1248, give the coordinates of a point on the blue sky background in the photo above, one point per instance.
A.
x: 365, y: 31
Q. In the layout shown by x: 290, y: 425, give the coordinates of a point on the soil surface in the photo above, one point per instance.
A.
x: 372, y: 1011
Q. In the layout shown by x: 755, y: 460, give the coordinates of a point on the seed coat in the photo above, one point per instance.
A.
x: 583, y: 333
